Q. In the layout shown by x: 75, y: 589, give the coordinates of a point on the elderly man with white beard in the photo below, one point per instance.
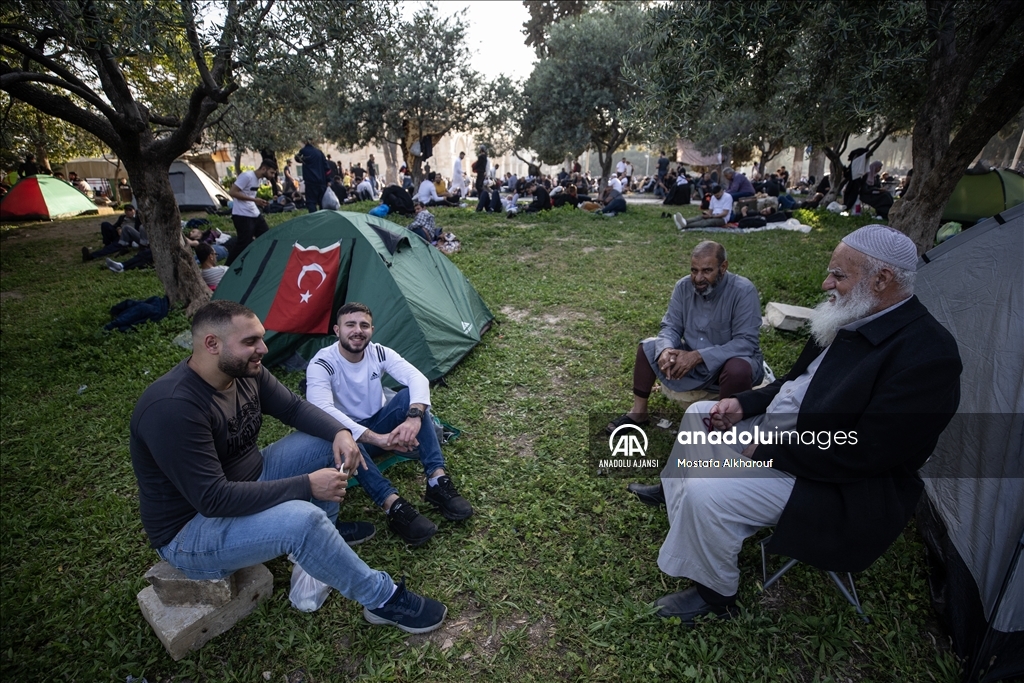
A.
x: 827, y: 454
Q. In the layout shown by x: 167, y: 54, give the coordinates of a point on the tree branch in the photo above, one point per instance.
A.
x: 198, y: 56
x: 115, y: 87
x: 1004, y: 99
x: 1001, y: 16
x: 169, y: 121
x: 63, y: 108
x: 9, y: 76
x: 46, y: 62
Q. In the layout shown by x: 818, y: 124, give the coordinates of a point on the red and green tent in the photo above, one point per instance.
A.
x: 42, y: 197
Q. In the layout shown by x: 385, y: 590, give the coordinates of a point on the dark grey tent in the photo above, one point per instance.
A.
x: 972, y: 517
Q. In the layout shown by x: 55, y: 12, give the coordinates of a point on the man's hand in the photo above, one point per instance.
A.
x: 346, y: 452
x: 403, y: 437
x: 262, y: 203
x: 328, y: 484
x: 666, y: 359
x: 675, y: 363
x: 725, y: 414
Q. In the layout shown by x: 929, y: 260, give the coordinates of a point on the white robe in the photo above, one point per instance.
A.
x: 458, y: 179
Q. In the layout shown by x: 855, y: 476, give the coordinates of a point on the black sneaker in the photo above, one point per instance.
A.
x: 409, y: 612
x: 446, y: 499
x: 86, y: 255
x: 355, y: 533
x: 405, y: 521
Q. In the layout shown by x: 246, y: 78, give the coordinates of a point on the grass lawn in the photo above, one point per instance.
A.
x: 552, y: 579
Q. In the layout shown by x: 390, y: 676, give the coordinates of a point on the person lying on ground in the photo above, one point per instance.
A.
x: 718, y: 213
x: 344, y: 380
x: 709, y: 337
x: 761, y: 218
x: 212, y: 502
x: 879, y: 372
x: 143, y: 259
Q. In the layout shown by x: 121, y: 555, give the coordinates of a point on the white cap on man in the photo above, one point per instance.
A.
x: 886, y: 244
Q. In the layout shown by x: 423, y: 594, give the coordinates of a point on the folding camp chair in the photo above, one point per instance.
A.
x: 849, y: 593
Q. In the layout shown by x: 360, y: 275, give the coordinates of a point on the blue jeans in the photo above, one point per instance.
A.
x: 213, y: 547
x: 377, y: 486
x: 617, y: 205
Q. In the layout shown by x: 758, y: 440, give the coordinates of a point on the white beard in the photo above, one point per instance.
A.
x: 829, y: 316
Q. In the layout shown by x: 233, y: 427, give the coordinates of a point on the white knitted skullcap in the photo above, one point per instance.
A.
x: 885, y: 244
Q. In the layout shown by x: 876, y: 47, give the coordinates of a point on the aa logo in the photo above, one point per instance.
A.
x: 624, y: 441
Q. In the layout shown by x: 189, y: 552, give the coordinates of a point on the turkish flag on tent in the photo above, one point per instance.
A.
x: 305, y: 296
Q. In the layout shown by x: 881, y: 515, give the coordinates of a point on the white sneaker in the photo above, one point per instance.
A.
x: 679, y: 220
x: 115, y: 266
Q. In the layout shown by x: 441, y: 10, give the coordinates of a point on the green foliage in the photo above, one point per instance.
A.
x: 576, y: 95
x: 552, y: 579
x: 543, y: 15
x: 418, y: 84
x: 27, y: 130
x: 805, y: 71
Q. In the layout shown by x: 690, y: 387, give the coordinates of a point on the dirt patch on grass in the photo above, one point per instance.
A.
x: 522, y: 446
x: 4, y: 296
x: 559, y: 317
x: 514, y: 314
x: 483, y: 633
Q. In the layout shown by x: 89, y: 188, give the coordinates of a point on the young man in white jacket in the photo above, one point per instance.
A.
x: 344, y: 380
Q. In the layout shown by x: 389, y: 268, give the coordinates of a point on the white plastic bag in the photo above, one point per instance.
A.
x: 836, y: 207
x: 330, y: 201
x: 307, y: 594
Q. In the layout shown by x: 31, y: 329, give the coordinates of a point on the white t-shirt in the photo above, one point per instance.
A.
x: 352, y: 391
x: 213, y: 276
x: 427, y: 193
x: 620, y: 167
x: 365, y: 186
x: 716, y: 206
x: 615, y: 184
x: 248, y: 183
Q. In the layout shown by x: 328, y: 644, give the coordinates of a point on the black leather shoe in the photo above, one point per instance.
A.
x: 688, y: 605
x: 652, y: 495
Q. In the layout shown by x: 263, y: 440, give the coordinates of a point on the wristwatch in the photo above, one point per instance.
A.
x: 414, y: 412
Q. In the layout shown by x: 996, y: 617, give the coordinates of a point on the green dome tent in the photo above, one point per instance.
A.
x: 43, y: 198
x: 981, y: 195
x: 297, y: 275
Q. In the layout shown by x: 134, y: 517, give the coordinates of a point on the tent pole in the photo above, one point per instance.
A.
x: 976, y: 661
x: 1020, y: 148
